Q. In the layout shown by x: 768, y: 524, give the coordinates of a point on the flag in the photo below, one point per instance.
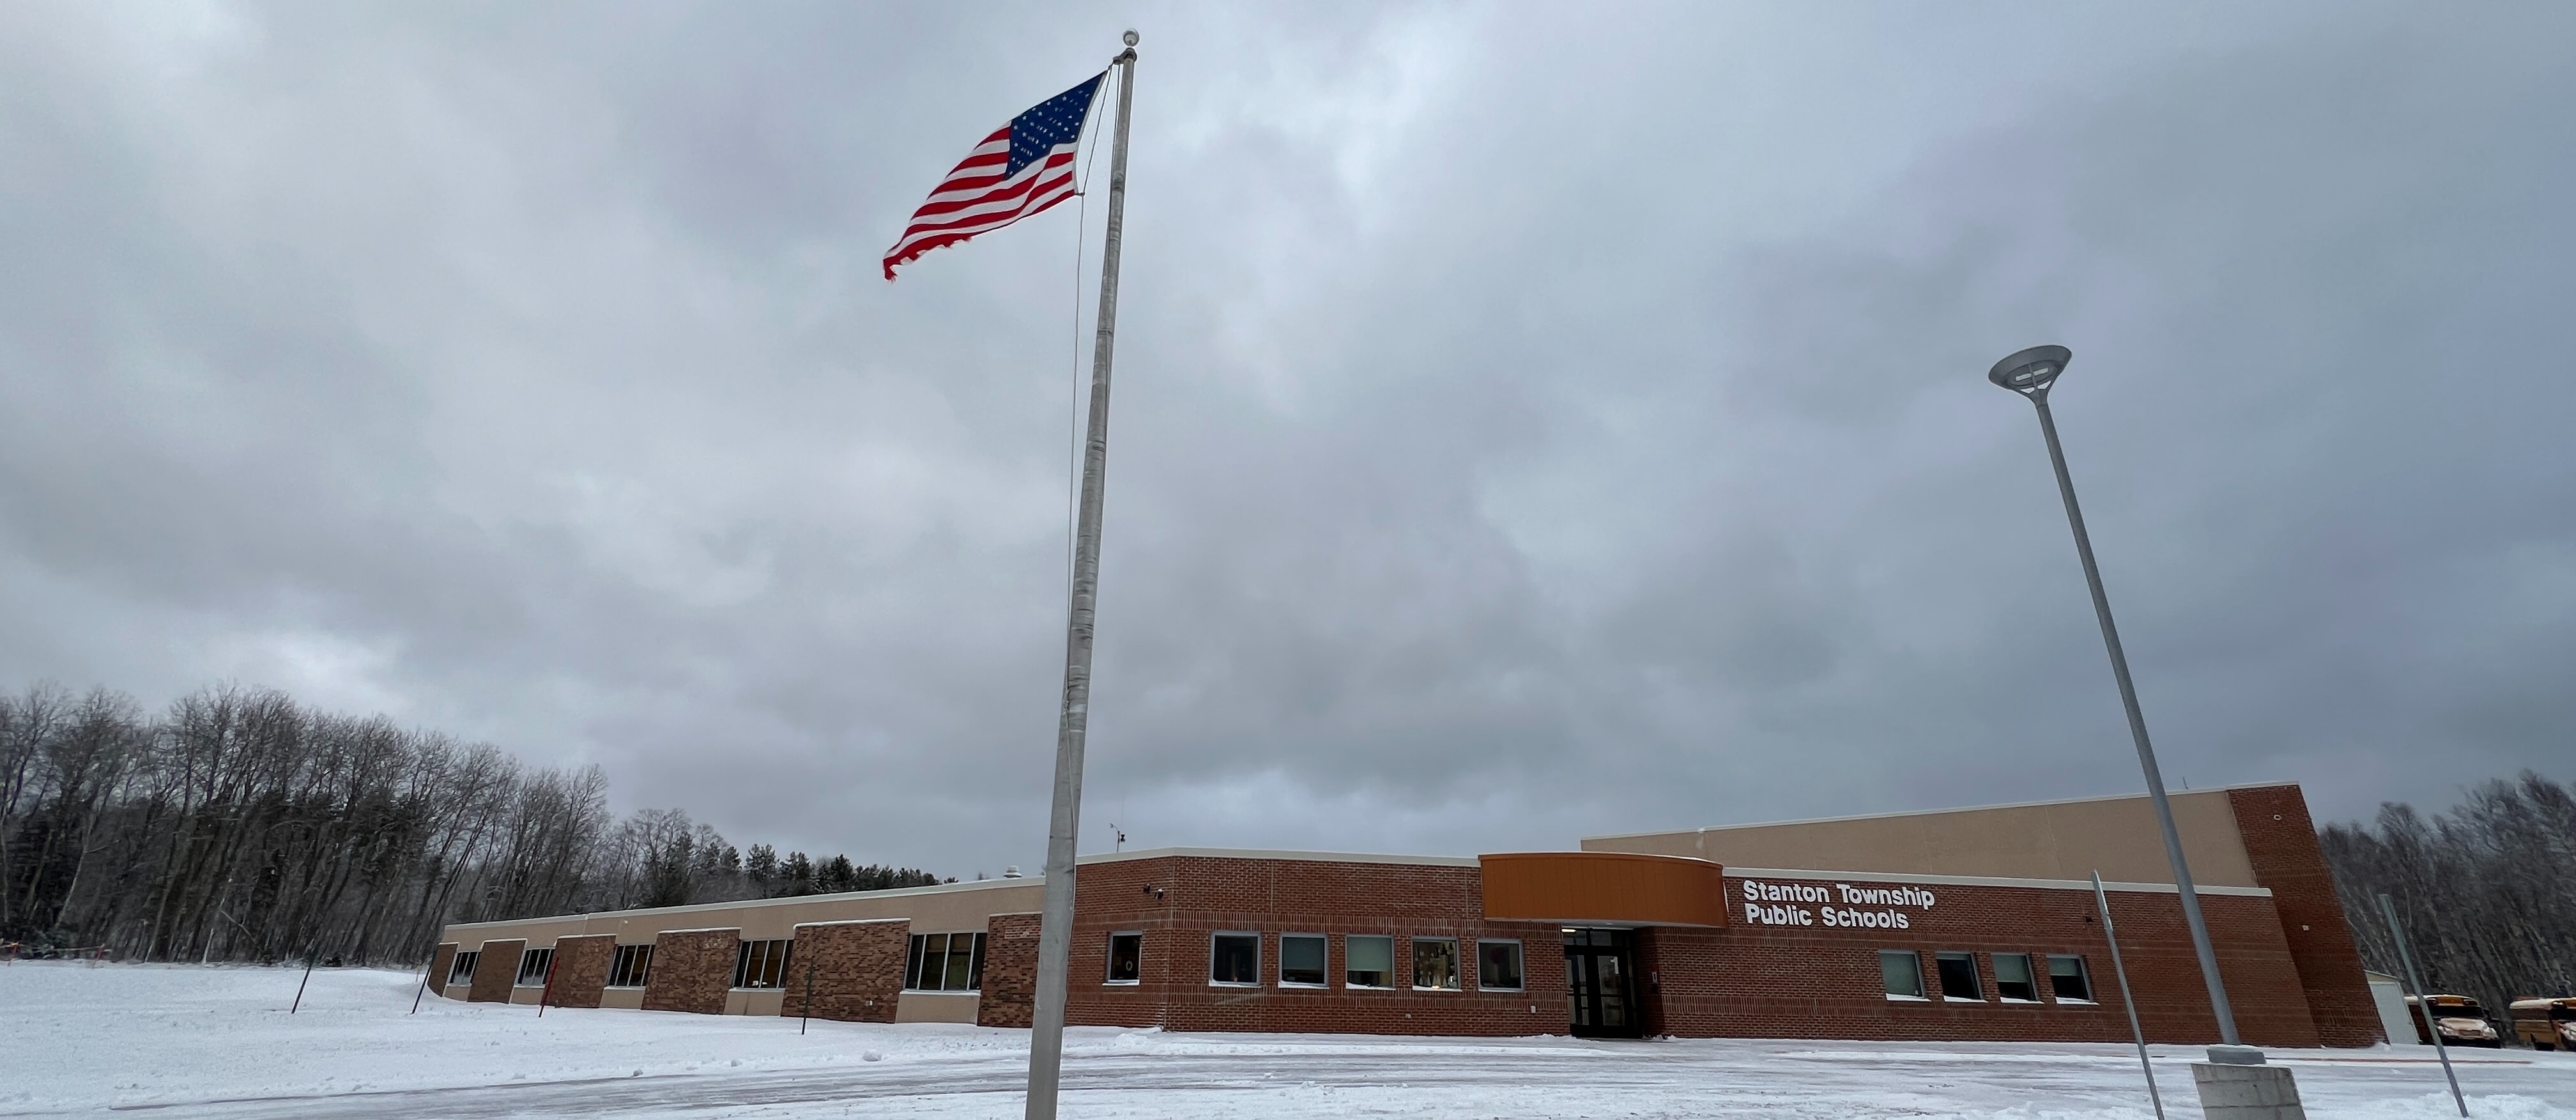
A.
x: 1019, y: 170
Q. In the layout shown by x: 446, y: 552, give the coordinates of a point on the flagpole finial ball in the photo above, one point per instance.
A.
x: 1129, y: 37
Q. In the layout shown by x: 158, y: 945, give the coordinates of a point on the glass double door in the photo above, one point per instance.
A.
x: 1601, y: 983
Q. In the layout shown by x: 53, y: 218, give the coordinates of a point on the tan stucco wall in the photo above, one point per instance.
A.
x: 948, y: 907
x: 936, y: 1007
x: 2057, y: 840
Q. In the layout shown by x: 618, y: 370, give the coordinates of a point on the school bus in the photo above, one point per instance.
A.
x: 2547, y: 1024
x: 2461, y: 1019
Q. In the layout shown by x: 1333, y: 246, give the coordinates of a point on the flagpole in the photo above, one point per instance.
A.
x: 1055, y: 923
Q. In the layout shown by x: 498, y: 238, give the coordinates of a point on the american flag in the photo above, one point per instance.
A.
x: 1022, y: 168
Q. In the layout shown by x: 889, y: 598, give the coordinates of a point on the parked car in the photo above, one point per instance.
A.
x: 2547, y: 1024
x: 2461, y: 1019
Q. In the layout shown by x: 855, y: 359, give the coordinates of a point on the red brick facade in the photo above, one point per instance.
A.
x: 1752, y: 980
x: 496, y: 971
x: 850, y: 971
x: 2281, y: 841
x: 1799, y: 955
x: 692, y: 970
x: 1010, y: 991
x: 439, y: 964
x: 1179, y: 903
x: 581, y: 970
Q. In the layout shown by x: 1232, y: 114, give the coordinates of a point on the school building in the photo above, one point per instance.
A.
x: 1963, y: 924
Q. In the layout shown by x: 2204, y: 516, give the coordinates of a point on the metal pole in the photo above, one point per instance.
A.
x: 424, y: 983
x: 806, y: 1014
x: 547, y: 993
x: 310, y: 955
x: 2138, y: 731
x: 2102, y: 901
x: 1055, y: 922
x: 2423, y: 1002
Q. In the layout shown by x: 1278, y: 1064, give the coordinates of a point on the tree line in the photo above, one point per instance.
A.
x: 238, y: 824
x: 2486, y: 893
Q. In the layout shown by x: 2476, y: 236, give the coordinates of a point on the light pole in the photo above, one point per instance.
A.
x: 2030, y: 373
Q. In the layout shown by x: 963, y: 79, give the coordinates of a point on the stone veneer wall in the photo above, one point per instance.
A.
x: 2281, y: 843
x: 1010, y: 991
x: 581, y: 969
x: 495, y: 971
x: 856, y: 969
x: 692, y: 970
x: 439, y: 963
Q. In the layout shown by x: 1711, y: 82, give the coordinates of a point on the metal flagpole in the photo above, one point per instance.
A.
x: 1055, y: 923
x: 2102, y: 901
x: 2423, y: 1001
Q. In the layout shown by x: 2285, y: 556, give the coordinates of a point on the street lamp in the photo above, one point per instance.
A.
x: 2030, y: 373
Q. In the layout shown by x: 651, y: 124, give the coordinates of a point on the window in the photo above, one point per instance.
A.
x: 1234, y: 958
x: 1435, y: 964
x: 760, y: 964
x: 2067, y: 980
x: 1301, y: 960
x: 533, y: 964
x: 1368, y: 961
x: 2013, y: 980
x: 1903, y: 972
x: 1126, y: 957
x: 462, y: 972
x: 945, y: 962
x: 1498, y: 966
x: 1958, y: 973
x: 628, y: 965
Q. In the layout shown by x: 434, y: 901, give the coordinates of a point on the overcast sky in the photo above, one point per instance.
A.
x: 1530, y: 421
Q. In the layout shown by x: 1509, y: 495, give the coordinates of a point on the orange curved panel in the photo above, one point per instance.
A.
x: 1621, y: 888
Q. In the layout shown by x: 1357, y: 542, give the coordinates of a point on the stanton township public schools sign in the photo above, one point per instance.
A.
x: 1839, y: 906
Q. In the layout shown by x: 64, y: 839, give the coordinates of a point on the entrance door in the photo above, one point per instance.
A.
x: 1601, y: 984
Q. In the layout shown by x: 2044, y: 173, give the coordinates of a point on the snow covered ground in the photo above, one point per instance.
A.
x: 217, y: 1042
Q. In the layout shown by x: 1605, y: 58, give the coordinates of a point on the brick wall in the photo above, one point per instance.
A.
x: 439, y: 963
x: 495, y: 971
x: 1010, y: 991
x: 692, y: 970
x: 2281, y: 842
x: 581, y: 969
x: 856, y: 969
x: 1199, y: 896
x: 1822, y: 982
x: 1740, y: 981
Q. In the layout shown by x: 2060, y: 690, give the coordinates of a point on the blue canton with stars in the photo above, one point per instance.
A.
x: 1056, y: 120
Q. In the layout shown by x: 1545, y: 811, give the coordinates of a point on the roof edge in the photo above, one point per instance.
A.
x: 1930, y: 812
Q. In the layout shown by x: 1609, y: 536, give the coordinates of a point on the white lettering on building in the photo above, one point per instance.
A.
x: 1777, y: 904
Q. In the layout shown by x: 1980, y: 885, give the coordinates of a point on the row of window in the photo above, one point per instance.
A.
x: 1368, y: 961
x: 2015, y: 980
x: 945, y: 962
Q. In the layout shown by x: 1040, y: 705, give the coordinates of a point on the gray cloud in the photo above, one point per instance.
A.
x: 1526, y: 425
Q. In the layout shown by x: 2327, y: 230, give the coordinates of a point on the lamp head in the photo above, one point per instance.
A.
x: 2030, y: 372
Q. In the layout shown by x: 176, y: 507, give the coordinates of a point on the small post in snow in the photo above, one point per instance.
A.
x: 548, y: 992
x: 806, y: 1015
x: 310, y: 955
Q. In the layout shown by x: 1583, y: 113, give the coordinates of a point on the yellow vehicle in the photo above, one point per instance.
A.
x: 2461, y: 1019
x: 2547, y: 1024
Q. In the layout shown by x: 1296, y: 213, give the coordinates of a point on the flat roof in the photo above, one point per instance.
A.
x: 747, y: 903
x: 1932, y: 812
